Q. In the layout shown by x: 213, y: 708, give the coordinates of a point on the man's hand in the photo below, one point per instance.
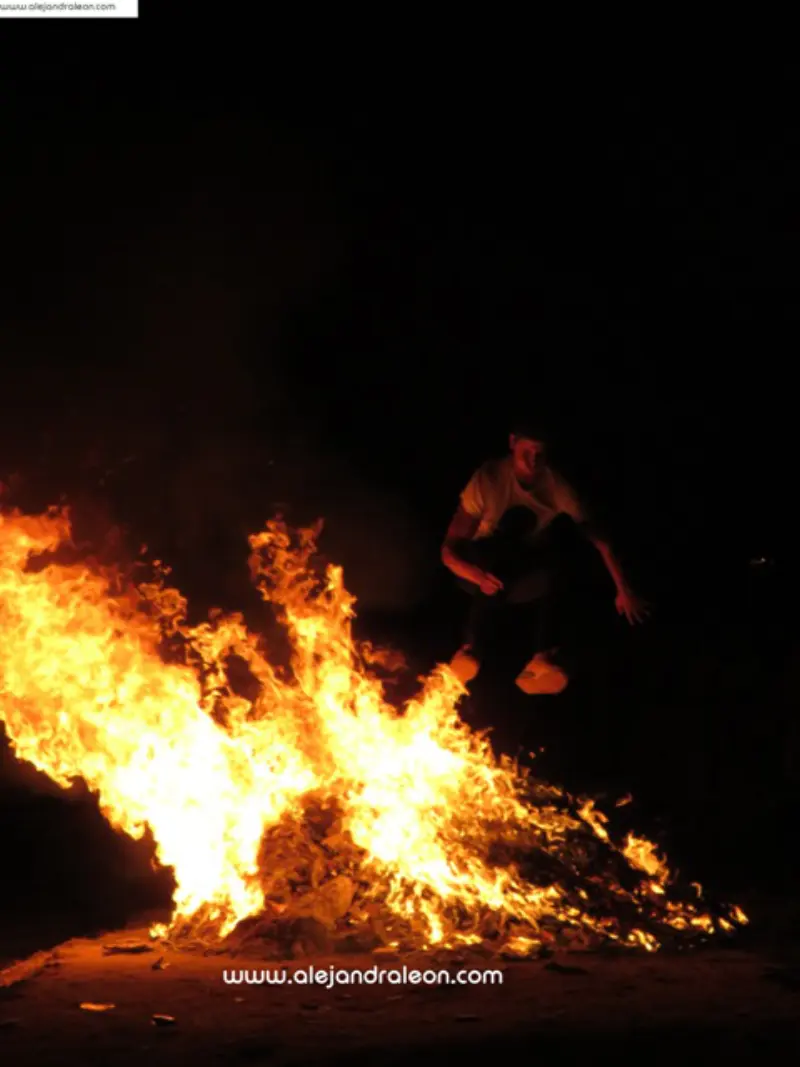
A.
x: 627, y: 602
x: 631, y: 606
x: 489, y: 585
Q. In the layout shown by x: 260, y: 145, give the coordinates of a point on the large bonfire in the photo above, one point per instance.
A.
x: 313, y: 811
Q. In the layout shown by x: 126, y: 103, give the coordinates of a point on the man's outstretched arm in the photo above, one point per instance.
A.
x: 462, y: 528
x: 627, y: 602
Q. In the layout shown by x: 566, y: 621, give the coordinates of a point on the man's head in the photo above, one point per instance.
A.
x: 527, y: 443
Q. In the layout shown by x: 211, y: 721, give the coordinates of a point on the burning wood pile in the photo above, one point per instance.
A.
x: 309, y: 816
x: 322, y: 895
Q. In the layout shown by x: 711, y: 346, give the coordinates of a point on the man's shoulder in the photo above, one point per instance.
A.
x: 553, y: 475
x: 556, y: 476
x: 565, y: 496
x: 493, y: 470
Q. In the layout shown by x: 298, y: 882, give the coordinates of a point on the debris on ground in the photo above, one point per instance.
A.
x: 24, y: 970
x: 561, y: 968
x: 130, y: 948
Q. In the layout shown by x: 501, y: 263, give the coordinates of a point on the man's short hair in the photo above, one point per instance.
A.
x: 529, y: 428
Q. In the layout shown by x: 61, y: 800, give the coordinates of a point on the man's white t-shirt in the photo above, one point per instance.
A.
x: 493, y: 490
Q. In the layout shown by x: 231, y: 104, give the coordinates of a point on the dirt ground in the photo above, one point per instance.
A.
x: 740, y: 1003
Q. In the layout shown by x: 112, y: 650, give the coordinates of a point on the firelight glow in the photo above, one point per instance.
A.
x: 88, y: 692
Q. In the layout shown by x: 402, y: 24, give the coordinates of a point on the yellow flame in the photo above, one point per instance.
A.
x: 87, y: 692
x: 641, y: 854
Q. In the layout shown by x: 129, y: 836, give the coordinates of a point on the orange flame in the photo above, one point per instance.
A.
x: 86, y: 692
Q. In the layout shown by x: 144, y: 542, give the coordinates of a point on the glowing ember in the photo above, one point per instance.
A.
x: 421, y: 824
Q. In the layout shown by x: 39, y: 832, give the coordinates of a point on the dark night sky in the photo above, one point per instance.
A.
x: 266, y: 295
x: 363, y: 294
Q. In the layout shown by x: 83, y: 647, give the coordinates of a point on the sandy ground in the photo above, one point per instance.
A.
x: 743, y: 1005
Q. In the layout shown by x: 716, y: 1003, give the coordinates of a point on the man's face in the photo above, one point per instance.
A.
x: 527, y: 456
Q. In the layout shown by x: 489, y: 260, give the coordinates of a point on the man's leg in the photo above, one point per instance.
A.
x: 536, y: 590
x: 477, y: 630
x: 479, y: 622
x: 530, y: 575
x: 542, y: 674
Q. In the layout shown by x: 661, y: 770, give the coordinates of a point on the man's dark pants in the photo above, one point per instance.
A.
x: 530, y: 568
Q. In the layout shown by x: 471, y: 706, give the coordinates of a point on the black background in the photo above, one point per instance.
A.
x: 248, y: 303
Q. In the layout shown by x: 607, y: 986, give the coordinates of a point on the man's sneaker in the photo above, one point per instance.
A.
x: 542, y: 677
x: 464, y: 666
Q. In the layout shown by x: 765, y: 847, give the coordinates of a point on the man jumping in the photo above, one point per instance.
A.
x: 502, y: 545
